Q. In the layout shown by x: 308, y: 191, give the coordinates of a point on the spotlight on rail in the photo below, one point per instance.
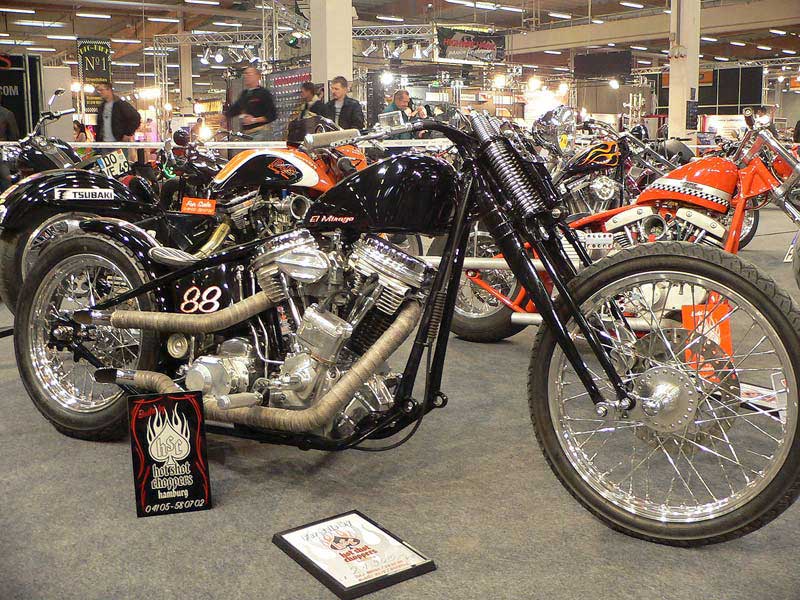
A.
x: 428, y: 49
x: 369, y: 49
x: 206, y: 58
x: 399, y: 49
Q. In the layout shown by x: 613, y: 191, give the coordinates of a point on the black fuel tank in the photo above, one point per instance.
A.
x: 407, y: 193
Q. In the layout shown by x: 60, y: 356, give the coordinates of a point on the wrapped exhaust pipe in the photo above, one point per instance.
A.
x: 146, y: 380
x: 297, y: 421
x: 175, y: 322
x: 324, y: 410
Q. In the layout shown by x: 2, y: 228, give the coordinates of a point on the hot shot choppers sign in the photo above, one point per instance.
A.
x: 352, y: 555
x: 458, y: 45
x: 170, y: 468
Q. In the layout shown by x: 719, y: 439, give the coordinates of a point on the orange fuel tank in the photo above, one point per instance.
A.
x: 708, y: 182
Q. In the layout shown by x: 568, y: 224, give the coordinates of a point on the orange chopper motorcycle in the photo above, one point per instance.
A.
x: 707, y: 201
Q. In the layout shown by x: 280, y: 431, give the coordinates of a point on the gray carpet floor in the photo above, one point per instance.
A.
x: 471, y: 490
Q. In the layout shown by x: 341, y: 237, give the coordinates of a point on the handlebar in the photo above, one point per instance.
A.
x: 330, y: 138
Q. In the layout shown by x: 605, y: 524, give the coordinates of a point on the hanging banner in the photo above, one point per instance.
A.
x: 94, y: 67
x: 458, y: 45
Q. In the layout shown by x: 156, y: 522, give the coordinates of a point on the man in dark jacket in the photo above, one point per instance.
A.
x: 255, y: 105
x: 117, y: 120
x: 9, y: 131
x: 343, y: 110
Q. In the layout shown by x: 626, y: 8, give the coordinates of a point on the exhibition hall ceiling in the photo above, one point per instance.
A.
x: 51, y: 28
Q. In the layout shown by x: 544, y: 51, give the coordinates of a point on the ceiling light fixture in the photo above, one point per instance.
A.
x: 370, y: 49
x: 598, y: 21
x: 209, y: 2
x: 18, y: 11
x: 125, y: 41
x: 631, y: 4
x: 250, y: 56
x: 163, y: 20
x: 642, y: 48
x: 740, y: 44
x: 120, y: 82
x: 552, y: 51
x: 706, y: 38
x: 206, y: 58
x: 62, y: 37
x: 52, y: 24
x: 644, y: 62
x: 85, y: 15
x: 788, y: 51
x: 388, y: 18
x: 614, y: 84
x: 124, y: 64
x: 218, y: 56
x: 766, y: 48
x: 226, y: 24
x: 38, y: 49
x: 721, y: 58
x: 515, y: 9
x: 399, y: 49
x: 559, y: 15
x: 565, y: 69
x: 777, y: 31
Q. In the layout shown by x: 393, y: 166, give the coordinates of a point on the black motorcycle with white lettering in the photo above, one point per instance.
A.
x: 662, y: 383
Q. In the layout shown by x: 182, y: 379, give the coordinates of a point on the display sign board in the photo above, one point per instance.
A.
x: 13, y: 94
x: 168, y: 442
x: 604, y: 64
x: 460, y: 45
x: 705, y: 78
x: 94, y: 66
x: 352, y: 555
x: 691, y: 115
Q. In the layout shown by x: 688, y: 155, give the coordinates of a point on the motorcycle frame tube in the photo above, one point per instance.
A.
x: 513, y: 248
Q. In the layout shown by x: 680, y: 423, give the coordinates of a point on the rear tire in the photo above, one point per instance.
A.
x: 61, y: 388
x: 581, y: 469
x: 487, y: 329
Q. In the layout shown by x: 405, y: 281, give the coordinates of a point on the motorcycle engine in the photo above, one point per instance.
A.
x: 365, y: 288
x: 591, y: 193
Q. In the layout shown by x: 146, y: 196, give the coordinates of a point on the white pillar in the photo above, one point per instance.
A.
x: 331, y: 40
x: 186, y: 77
x: 684, y: 62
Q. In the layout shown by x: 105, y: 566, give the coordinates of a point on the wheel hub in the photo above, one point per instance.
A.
x: 668, y: 399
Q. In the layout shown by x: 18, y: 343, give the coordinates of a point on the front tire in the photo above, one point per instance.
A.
x: 749, y: 227
x: 731, y: 463
x: 77, y: 273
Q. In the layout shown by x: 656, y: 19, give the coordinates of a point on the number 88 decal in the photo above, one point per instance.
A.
x: 206, y: 301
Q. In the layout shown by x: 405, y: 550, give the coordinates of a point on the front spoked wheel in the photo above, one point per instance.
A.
x: 710, y: 451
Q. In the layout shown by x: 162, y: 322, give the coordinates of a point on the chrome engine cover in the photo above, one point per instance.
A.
x: 397, y: 272
x: 307, y: 374
x: 225, y: 373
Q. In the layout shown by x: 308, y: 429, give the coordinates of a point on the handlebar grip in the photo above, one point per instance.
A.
x: 320, y: 140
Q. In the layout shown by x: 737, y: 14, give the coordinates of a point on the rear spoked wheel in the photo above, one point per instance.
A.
x: 710, y: 451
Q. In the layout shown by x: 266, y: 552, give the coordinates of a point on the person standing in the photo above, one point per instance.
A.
x: 117, y: 121
x: 310, y: 104
x: 9, y: 130
x: 255, y: 105
x: 342, y: 109
x: 402, y: 102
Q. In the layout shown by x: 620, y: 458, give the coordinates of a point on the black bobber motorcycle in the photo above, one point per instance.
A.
x: 662, y: 384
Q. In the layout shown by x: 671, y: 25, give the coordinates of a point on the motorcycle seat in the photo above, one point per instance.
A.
x: 171, y: 257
